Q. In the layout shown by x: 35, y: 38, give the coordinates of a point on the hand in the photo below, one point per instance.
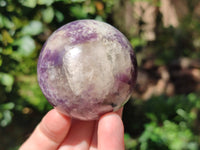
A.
x: 57, y: 131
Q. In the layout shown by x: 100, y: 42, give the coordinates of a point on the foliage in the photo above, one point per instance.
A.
x: 162, y: 122
x: 175, y: 41
x: 169, y: 123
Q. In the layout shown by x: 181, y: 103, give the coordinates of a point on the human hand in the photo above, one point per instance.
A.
x: 57, y: 131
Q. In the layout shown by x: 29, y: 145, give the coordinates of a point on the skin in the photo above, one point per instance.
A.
x: 59, y: 132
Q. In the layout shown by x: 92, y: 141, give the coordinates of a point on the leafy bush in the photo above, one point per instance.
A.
x: 168, y: 123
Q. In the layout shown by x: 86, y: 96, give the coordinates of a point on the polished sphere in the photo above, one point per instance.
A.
x: 87, y: 68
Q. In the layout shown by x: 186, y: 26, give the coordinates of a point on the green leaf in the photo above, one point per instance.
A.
x: 32, y: 94
x: 29, y: 3
x: 7, y: 106
x: 48, y: 14
x: 59, y: 16
x: 138, y: 42
x: 3, y: 3
x: 76, y: 1
x: 5, y: 22
x: 33, y: 28
x: 26, y: 46
x: 78, y: 12
x: 45, y: 2
x: 7, y: 118
x: 129, y: 142
x: 71, y: 1
x: 0, y: 57
x: 6, y: 37
x: 6, y: 80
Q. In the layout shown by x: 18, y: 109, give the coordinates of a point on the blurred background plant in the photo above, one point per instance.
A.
x: 164, y: 111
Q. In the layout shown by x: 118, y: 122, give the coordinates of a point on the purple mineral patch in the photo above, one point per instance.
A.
x: 124, y: 78
x: 54, y: 58
x: 80, y: 33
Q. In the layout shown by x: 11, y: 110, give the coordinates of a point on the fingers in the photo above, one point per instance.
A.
x: 93, y: 143
x: 82, y: 135
x: 79, y: 136
x: 111, y: 132
x: 53, y: 132
x: 49, y: 133
x: 120, y: 112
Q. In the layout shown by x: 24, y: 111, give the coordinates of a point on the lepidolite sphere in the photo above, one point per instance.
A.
x: 87, y: 68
